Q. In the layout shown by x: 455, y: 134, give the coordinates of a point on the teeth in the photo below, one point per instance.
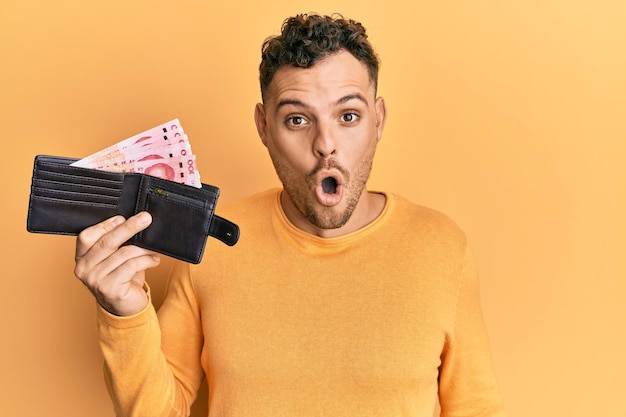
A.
x: 329, y: 185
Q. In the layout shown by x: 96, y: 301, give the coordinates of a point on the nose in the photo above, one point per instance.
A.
x: 324, y: 144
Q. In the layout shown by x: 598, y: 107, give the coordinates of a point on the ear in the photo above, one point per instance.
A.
x: 261, y: 122
x: 381, y: 116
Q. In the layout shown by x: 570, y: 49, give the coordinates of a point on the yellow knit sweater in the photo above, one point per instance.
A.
x: 379, y: 322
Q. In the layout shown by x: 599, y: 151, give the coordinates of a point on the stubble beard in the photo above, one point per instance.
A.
x: 300, y: 193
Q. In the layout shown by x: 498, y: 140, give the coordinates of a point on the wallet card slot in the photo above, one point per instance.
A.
x: 61, y: 199
x: 48, y: 164
x: 75, y: 187
x: 44, y: 215
x: 74, y: 196
x: 77, y: 179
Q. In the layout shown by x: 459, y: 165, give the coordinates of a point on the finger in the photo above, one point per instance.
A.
x: 90, y: 235
x: 117, y: 269
x: 128, y: 259
x: 122, y: 290
x: 130, y: 270
x: 100, y: 242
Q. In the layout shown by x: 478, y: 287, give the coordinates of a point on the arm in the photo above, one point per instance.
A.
x: 139, y: 376
x: 142, y: 376
x: 467, y: 385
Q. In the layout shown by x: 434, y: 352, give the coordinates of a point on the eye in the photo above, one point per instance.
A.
x: 296, y: 121
x: 349, y: 117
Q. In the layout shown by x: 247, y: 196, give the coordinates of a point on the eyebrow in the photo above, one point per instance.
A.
x: 289, y: 101
x: 342, y: 100
x: 349, y: 97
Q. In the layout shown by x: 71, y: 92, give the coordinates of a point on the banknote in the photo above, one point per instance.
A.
x: 121, y: 159
x: 163, y: 133
x: 163, y: 151
x: 177, y: 168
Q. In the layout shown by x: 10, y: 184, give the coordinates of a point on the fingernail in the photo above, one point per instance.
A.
x: 144, y: 218
x: 117, y: 220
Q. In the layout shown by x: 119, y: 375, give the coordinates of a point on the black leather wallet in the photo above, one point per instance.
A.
x: 65, y: 200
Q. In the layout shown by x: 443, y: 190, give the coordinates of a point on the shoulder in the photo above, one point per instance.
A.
x: 422, y: 232
x: 251, y: 214
x: 253, y: 210
x: 428, y: 240
x: 260, y: 202
x: 423, y: 220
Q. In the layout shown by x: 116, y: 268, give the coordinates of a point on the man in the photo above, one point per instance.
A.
x: 337, y: 301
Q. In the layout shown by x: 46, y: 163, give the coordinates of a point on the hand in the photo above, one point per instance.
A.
x: 114, y: 272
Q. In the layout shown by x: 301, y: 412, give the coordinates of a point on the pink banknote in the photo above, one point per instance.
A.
x: 163, y: 151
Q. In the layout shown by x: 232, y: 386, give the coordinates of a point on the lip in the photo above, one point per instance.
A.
x: 323, y: 197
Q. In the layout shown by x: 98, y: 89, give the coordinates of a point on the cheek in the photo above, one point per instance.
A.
x: 289, y: 155
x: 293, y: 151
x: 287, y: 160
x: 360, y: 148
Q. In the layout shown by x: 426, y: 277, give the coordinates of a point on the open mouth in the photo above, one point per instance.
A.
x: 329, y: 185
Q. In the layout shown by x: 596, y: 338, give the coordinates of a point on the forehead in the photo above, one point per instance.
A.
x: 329, y: 79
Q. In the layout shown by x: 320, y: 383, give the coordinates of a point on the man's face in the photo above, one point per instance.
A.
x: 321, y: 126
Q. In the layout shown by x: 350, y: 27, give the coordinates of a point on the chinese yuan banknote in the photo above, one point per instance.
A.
x: 163, y: 151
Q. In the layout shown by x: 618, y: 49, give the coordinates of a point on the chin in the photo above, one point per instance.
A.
x: 329, y: 218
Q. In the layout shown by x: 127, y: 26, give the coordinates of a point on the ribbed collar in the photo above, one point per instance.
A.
x: 315, y: 245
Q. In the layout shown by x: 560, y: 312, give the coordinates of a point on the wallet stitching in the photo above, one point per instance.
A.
x: 60, y: 194
x: 76, y: 179
x: 43, y: 183
x: 64, y: 201
x: 180, y: 203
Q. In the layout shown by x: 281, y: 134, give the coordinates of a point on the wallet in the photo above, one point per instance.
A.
x: 65, y: 199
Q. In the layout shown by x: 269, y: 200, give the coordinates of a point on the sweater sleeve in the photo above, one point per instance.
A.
x: 147, y: 373
x: 467, y: 384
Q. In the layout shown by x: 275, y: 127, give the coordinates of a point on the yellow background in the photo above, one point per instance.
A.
x: 507, y: 115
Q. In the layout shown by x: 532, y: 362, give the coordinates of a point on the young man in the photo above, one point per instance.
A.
x: 337, y: 301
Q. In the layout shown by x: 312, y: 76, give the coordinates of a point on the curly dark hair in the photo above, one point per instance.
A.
x: 308, y: 38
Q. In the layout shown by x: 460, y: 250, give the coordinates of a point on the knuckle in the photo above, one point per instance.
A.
x: 82, y: 270
x: 108, y: 241
x: 88, y: 236
x: 129, y: 268
x: 78, y: 270
x: 127, y: 252
x: 105, y: 290
x: 84, y: 235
